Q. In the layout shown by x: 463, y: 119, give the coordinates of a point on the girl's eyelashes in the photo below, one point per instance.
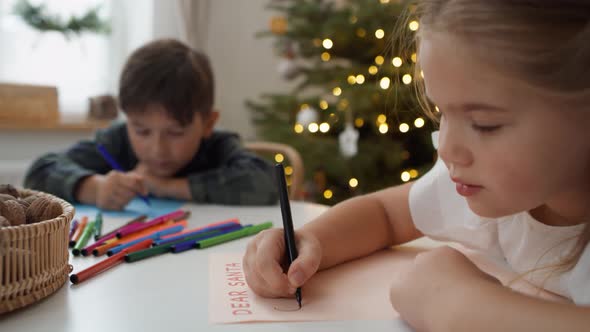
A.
x: 485, y: 129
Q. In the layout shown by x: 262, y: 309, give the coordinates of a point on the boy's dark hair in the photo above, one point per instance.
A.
x: 169, y: 73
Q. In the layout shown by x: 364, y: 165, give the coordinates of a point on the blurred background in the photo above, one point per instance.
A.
x: 322, y: 76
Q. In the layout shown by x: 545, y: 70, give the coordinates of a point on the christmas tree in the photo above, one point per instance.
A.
x: 353, y: 113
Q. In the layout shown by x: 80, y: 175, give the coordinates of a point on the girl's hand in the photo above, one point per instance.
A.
x: 265, y: 257
x: 424, y: 294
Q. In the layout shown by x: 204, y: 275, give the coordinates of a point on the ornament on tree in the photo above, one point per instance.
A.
x: 278, y: 25
x: 287, y: 68
x: 306, y: 116
x: 348, y: 140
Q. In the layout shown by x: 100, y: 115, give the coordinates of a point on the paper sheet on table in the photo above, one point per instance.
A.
x: 135, y: 208
x: 357, y: 290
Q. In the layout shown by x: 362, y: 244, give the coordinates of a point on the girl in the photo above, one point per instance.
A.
x: 511, y: 80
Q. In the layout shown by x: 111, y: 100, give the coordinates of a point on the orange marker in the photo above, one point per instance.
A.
x: 104, y: 248
x: 79, y: 231
x: 108, y: 263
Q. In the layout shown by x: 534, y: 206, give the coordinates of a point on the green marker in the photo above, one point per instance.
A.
x: 164, y: 248
x: 246, y: 231
x: 146, y: 253
x: 98, y: 226
x: 84, y: 238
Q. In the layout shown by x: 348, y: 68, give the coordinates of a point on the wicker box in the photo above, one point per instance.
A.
x: 34, y: 258
x: 24, y: 104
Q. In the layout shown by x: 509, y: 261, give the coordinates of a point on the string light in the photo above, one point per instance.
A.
x: 324, y: 127
x: 279, y: 158
x: 358, y: 122
x: 396, y: 62
x: 381, y: 118
x: 298, y: 128
x: 422, y: 73
x: 353, y: 19
x: 405, y: 176
x: 384, y: 83
x: 288, y: 170
x: 324, y: 104
x: 419, y: 123
x: 436, y: 108
x: 351, y: 79
x: 407, y: 79
x: 325, y: 56
x: 404, y: 127
x: 327, y: 43
x: 383, y: 128
x: 379, y: 60
x: 373, y: 70
x: 328, y: 194
x: 414, y: 25
x: 414, y: 58
x: 353, y: 183
x: 343, y: 104
x: 337, y: 91
x: 384, y: 1
x: 379, y: 33
x: 360, y: 32
x: 413, y: 173
x: 313, y: 127
x: 317, y: 42
x: 360, y: 79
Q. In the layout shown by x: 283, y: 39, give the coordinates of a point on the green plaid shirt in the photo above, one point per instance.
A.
x: 222, y: 171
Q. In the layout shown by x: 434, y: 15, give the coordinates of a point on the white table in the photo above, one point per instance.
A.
x: 168, y: 293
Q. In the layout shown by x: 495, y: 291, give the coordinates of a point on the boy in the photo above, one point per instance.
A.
x: 167, y: 145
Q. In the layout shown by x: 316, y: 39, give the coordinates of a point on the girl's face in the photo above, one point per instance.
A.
x: 508, y: 147
x: 161, y: 144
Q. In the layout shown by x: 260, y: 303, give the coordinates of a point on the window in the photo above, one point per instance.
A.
x: 78, y: 66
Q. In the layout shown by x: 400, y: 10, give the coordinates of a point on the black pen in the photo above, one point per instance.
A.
x: 287, y: 222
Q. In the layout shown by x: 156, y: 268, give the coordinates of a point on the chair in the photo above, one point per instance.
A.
x: 291, y: 155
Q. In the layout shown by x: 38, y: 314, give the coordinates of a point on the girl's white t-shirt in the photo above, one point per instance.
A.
x: 518, y: 241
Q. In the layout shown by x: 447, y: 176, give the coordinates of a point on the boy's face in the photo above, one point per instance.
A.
x: 517, y: 148
x: 161, y: 144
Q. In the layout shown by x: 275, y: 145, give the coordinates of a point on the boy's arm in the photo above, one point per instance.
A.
x: 60, y: 173
x: 241, y: 178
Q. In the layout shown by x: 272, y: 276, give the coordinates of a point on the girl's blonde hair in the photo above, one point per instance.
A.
x: 544, y: 43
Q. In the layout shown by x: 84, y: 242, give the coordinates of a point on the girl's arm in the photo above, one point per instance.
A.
x: 362, y: 225
x: 444, y: 291
x: 493, y: 307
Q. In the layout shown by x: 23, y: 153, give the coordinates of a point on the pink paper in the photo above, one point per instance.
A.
x: 357, y: 290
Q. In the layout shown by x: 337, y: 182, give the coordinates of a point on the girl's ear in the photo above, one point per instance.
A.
x: 209, y: 123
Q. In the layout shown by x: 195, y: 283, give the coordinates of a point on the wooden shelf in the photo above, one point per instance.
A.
x: 84, y: 125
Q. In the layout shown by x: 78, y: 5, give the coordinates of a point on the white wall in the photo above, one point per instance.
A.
x: 244, y: 66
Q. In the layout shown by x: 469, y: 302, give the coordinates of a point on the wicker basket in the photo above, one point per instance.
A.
x: 34, y: 258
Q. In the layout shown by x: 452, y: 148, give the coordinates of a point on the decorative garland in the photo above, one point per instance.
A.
x: 38, y: 18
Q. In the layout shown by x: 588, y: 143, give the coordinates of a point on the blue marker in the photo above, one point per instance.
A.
x: 154, y: 236
x: 115, y: 165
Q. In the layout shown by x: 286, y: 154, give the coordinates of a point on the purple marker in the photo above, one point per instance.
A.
x: 158, y: 220
x: 73, y: 228
x: 183, y: 246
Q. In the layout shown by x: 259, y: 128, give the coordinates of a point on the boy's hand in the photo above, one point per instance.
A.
x: 423, y: 293
x: 156, y: 185
x: 265, y: 257
x: 111, y: 191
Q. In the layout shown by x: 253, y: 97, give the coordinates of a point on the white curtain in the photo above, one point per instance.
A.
x: 194, y: 22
